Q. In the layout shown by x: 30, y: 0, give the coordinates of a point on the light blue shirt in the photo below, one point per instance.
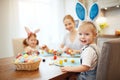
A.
x: 73, y: 45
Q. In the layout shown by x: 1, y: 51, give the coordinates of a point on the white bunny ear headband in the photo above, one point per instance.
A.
x: 82, y: 13
x: 30, y: 32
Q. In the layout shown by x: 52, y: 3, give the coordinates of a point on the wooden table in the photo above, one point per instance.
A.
x: 45, y: 72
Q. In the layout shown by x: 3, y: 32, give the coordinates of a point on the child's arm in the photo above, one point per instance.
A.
x: 64, y: 48
x: 27, y: 49
x: 81, y: 68
x: 76, y: 51
x: 45, y: 47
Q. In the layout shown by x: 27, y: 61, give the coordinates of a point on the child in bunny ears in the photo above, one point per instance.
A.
x: 31, y: 42
x: 90, y: 52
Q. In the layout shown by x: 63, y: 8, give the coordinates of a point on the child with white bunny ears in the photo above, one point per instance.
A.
x: 31, y: 43
x: 90, y: 52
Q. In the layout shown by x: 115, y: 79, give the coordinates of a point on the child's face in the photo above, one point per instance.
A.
x: 69, y: 24
x: 32, y: 41
x: 86, y: 35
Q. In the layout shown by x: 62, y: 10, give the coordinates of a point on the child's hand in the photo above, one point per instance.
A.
x: 66, y: 69
x: 69, y: 51
x: 74, y: 52
x: 65, y: 49
x: 45, y: 47
x: 36, y: 52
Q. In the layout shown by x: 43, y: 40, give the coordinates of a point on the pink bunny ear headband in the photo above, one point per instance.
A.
x: 30, y: 32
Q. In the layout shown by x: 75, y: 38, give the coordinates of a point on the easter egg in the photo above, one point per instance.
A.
x: 60, y: 62
x: 54, y: 57
x: 22, y: 60
x: 65, y: 60
x: 29, y: 53
x: 54, y: 52
x: 30, y: 61
x: 50, y: 51
x: 26, y: 60
x: 36, y: 59
x: 72, y: 61
x: 25, y: 55
x: 69, y: 51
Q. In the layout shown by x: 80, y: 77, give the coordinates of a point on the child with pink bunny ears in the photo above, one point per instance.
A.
x: 31, y: 42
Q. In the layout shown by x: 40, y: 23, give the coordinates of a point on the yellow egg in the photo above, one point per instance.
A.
x: 60, y: 62
x: 72, y: 61
x: 50, y: 51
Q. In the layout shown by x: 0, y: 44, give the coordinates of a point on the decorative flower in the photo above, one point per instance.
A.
x: 103, y: 25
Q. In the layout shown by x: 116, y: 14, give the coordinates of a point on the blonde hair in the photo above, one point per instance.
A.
x: 90, y: 25
x: 69, y: 17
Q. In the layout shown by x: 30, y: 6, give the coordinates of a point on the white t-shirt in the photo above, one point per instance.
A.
x: 30, y: 48
x: 90, y: 56
x: 73, y: 45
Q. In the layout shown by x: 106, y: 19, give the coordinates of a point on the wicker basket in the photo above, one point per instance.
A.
x: 28, y: 66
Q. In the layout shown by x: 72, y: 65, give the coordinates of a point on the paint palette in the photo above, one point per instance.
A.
x: 67, y: 62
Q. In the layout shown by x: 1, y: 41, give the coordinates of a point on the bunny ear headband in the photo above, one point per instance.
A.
x: 30, y: 32
x: 82, y: 13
